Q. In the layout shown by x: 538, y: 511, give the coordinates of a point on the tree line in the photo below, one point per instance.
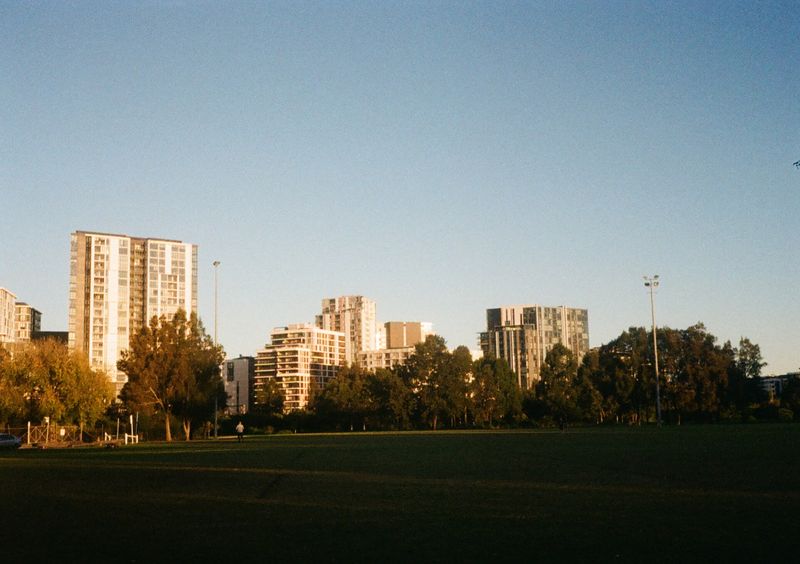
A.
x: 41, y: 379
x: 700, y: 381
x: 173, y: 370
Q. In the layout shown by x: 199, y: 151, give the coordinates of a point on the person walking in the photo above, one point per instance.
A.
x: 240, y: 432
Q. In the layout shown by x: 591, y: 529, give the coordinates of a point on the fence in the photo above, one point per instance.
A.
x: 52, y: 435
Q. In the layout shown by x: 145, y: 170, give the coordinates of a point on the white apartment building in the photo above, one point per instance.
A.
x: 8, y: 302
x: 117, y: 283
x: 27, y: 321
x: 301, y: 358
x: 355, y: 317
x: 524, y: 334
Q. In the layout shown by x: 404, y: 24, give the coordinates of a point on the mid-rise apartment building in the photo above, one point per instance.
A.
x: 355, y: 317
x: 300, y: 358
x: 524, y: 334
x: 8, y: 303
x: 117, y: 283
x: 27, y: 321
x: 399, y: 339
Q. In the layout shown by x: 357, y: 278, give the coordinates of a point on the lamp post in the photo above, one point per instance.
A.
x: 216, y: 407
x: 651, y: 282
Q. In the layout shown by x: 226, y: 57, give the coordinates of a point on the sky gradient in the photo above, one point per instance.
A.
x: 440, y: 158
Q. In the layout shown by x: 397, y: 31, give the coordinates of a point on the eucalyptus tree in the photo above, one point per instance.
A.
x: 173, y: 369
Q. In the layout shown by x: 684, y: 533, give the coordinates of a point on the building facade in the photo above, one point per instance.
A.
x: 524, y: 334
x: 117, y: 283
x: 384, y: 358
x: 238, y: 375
x: 8, y: 304
x: 398, y: 340
x: 401, y: 334
x: 300, y: 358
x: 355, y: 317
x: 27, y: 321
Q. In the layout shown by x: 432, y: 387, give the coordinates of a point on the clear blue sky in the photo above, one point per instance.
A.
x: 440, y: 158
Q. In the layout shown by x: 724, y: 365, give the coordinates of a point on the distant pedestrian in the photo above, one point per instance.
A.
x: 240, y: 432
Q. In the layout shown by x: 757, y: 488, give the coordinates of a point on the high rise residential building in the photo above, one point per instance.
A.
x: 239, y: 376
x: 523, y: 335
x: 300, y: 358
x: 8, y: 304
x: 27, y: 321
x: 355, y: 317
x: 117, y: 283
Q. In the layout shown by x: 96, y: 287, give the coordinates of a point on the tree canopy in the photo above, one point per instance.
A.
x: 173, y: 369
x: 44, y: 379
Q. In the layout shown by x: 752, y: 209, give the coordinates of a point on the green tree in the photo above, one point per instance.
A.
x: 494, y: 392
x: 430, y: 374
x: 748, y: 359
x: 392, y: 399
x: 269, y: 398
x: 44, y: 379
x: 556, y: 385
x: 345, y: 398
x: 173, y: 368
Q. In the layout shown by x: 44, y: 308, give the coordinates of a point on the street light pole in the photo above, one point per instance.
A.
x: 216, y: 407
x: 651, y: 282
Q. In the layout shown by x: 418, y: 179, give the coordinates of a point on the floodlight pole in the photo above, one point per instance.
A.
x: 652, y: 284
x: 216, y: 407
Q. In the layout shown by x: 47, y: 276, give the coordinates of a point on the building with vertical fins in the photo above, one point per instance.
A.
x: 117, y: 283
x: 355, y: 317
x: 524, y: 334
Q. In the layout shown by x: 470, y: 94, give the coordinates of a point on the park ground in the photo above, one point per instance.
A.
x: 704, y: 493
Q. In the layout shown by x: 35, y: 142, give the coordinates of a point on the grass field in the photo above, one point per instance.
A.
x: 711, y: 493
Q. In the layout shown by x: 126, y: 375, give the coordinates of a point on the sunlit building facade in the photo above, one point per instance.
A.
x: 8, y: 302
x: 524, y: 334
x: 301, y: 359
x: 355, y: 317
x: 27, y: 321
x: 117, y: 283
x: 397, y: 340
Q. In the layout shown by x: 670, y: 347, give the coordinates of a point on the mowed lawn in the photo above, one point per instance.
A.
x: 707, y: 493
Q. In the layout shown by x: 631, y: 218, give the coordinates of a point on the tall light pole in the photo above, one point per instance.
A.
x: 216, y: 407
x: 651, y: 282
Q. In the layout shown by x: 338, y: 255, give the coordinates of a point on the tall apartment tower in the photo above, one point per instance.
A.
x: 355, y: 317
x: 300, y: 358
x: 117, y: 283
x: 523, y: 335
x: 27, y: 321
x: 8, y: 304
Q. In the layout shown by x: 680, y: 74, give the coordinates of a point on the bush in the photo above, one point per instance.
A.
x: 785, y: 415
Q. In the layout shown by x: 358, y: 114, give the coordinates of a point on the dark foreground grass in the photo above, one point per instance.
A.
x: 641, y: 494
